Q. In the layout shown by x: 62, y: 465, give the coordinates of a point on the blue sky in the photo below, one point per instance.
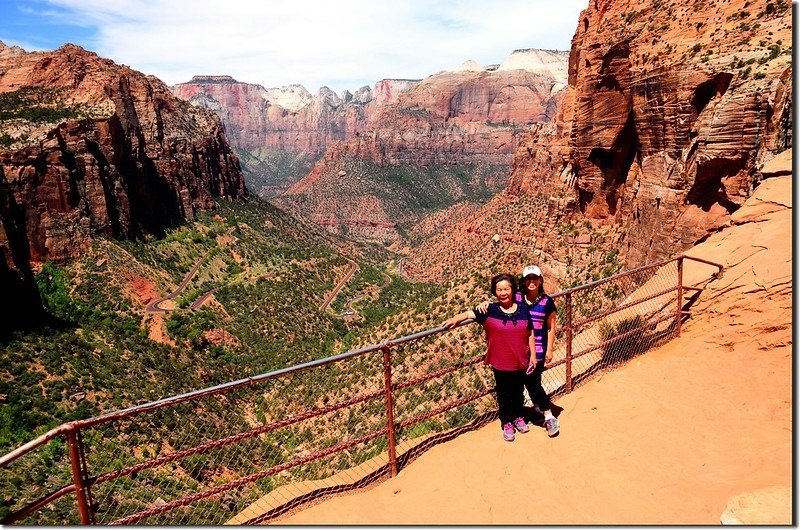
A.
x: 341, y: 44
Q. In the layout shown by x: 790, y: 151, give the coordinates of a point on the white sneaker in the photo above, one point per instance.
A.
x: 551, y: 424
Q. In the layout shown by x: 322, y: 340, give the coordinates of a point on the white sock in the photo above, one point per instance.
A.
x: 548, y: 414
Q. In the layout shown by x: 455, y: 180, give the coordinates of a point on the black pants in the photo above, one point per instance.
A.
x: 509, y: 385
x: 533, y: 382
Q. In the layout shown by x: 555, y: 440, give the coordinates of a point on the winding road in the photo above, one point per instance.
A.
x: 154, y: 306
x: 328, y: 299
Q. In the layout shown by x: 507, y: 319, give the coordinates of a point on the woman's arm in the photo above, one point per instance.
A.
x: 458, y: 319
x: 532, y: 350
x: 551, y: 337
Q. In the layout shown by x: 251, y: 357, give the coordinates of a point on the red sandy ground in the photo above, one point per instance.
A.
x: 668, y: 438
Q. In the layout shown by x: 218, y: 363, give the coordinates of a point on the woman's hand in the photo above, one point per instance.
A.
x: 548, y: 357
x: 531, y: 367
x: 483, y: 306
x: 457, y: 319
x: 451, y: 322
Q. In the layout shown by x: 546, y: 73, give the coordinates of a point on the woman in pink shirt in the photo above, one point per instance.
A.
x: 509, y: 342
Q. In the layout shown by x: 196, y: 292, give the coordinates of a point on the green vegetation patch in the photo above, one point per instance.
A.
x: 38, y: 105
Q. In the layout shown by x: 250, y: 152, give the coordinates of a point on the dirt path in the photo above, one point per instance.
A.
x: 154, y: 306
x: 328, y: 299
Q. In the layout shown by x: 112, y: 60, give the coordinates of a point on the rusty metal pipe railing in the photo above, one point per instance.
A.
x: 623, y: 274
x: 245, y: 480
x: 388, y: 393
x: 600, y: 316
x: 77, y: 477
x: 82, y: 482
x: 72, y: 426
x: 679, y: 297
x: 719, y: 266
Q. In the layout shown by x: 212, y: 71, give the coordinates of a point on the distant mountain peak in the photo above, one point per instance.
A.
x: 209, y: 79
x: 469, y: 66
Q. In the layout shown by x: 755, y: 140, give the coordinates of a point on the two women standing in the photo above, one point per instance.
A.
x: 520, y: 332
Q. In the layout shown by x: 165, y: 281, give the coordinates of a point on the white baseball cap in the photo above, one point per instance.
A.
x: 531, y: 269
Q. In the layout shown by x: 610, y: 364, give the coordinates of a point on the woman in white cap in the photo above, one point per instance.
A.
x: 542, y: 310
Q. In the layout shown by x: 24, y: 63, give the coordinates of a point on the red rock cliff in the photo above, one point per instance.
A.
x: 675, y: 105
x: 287, y: 118
x: 672, y: 109
x: 98, y: 147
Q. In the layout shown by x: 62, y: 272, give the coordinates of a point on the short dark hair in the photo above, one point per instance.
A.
x: 503, y: 277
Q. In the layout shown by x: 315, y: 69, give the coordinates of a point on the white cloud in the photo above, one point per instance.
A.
x: 343, y: 44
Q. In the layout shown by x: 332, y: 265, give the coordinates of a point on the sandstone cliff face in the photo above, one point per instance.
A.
x: 20, y: 301
x: 676, y: 105
x: 281, y: 132
x: 287, y: 118
x: 457, y: 117
x: 128, y: 158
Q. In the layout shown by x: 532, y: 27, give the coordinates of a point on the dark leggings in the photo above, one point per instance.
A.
x: 533, y: 382
x: 509, y: 386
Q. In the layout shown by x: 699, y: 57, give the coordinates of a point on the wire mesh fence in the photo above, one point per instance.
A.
x: 249, y: 451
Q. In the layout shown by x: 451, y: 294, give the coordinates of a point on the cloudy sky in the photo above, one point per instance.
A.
x: 341, y: 44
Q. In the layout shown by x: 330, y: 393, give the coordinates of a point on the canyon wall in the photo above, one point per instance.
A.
x: 675, y: 107
x: 90, y: 147
x: 94, y: 147
x: 449, y: 138
x: 465, y: 116
x: 287, y: 118
x: 279, y: 133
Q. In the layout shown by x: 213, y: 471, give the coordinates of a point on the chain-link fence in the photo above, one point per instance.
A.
x: 252, y: 450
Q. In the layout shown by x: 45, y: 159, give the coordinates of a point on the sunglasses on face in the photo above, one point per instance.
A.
x: 533, y: 277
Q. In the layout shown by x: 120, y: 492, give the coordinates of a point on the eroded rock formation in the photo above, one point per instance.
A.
x: 95, y: 147
x: 281, y: 132
x: 287, y: 118
x: 468, y: 120
x: 677, y: 104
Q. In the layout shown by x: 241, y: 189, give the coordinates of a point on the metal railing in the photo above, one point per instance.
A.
x: 251, y: 450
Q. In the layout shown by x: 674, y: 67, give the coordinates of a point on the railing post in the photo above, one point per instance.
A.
x: 387, y: 386
x: 77, y: 477
x: 568, y: 373
x: 680, y: 298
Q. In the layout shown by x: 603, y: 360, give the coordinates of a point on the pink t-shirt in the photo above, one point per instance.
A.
x: 506, y: 337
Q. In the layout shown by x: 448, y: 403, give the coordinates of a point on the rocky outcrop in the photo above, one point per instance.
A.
x: 20, y: 302
x: 101, y: 148
x: 676, y: 107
